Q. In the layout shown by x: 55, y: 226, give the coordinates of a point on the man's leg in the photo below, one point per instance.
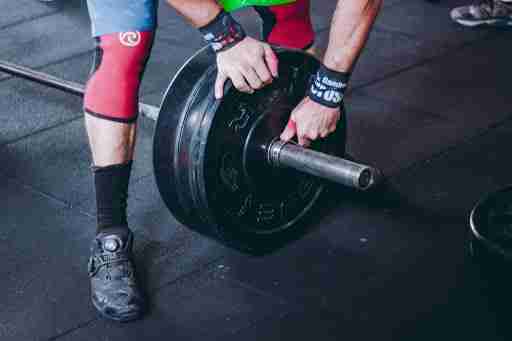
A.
x: 288, y: 25
x: 485, y: 13
x: 124, y: 32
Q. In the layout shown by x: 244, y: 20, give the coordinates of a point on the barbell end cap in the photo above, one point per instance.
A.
x: 369, y: 178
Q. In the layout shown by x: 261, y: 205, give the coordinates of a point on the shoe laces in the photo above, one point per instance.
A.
x: 494, y: 7
x: 116, y: 264
x: 486, y: 5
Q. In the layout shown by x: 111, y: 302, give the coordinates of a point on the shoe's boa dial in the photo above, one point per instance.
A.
x: 327, y: 87
x: 222, y: 32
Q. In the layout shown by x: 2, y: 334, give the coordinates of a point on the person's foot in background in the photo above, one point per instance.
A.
x: 486, y: 13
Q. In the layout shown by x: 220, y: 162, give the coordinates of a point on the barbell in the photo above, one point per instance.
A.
x: 219, y: 164
x: 70, y: 87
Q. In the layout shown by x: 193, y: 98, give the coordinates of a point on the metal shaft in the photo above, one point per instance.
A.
x: 325, y: 166
x: 78, y: 89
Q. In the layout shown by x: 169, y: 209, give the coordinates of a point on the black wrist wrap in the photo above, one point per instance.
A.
x: 328, y: 87
x: 222, y: 32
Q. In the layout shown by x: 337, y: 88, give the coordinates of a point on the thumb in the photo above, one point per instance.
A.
x: 289, y: 131
x: 219, y: 85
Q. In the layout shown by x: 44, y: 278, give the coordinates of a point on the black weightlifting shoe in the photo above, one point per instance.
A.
x: 497, y: 13
x: 114, y: 290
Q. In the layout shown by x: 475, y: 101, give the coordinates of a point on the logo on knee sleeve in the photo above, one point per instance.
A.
x: 130, y: 39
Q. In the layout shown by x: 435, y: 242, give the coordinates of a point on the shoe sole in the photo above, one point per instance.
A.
x: 490, y: 22
x: 125, y: 318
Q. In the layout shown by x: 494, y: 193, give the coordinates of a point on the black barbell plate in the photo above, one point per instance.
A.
x: 491, y: 224
x: 207, y: 166
x: 173, y: 114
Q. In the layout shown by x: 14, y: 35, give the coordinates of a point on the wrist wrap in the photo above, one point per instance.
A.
x: 222, y: 32
x: 328, y: 87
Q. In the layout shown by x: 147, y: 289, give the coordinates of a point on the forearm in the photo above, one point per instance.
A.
x: 350, y: 28
x: 197, y: 12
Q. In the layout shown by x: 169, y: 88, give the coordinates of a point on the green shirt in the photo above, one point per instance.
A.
x: 231, y: 5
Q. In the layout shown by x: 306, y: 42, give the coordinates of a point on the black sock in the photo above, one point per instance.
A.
x: 111, y: 184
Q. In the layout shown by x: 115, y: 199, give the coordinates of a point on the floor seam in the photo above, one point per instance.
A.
x: 43, y: 130
x: 34, y: 190
x: 25, y: 20
x: 186, y: 275
x: 71, y: 330
x: 383, y: 29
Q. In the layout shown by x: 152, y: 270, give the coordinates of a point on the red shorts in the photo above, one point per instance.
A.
x: 288, y: 25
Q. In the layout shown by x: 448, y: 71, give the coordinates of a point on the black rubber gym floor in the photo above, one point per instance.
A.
x: 430, y: 105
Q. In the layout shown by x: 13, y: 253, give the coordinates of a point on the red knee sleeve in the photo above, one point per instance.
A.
x: 289, y: 25
x: 112, y: 90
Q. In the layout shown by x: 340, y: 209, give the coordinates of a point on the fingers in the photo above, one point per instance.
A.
x: 219, y: 85
x: 310, y: 121
x: 271, y: 60
x: 303, y: 141
x: 312, y: 135
x: 253, y: 78
x: 256, y: 72
x: 325, y: 132
x: 239, y: 82
x: 308, y: 131
x: 263, y: 72
x: 305, y: 137
x: 332, y: 128
x: 298, y: 129
x: 292, y: 129
x: 289, y: 131
x: 250, y: 65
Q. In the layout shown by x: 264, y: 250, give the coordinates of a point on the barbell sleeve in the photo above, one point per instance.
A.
x: 342, y: 171
x: 74, y: 88
x: 42, y: 78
